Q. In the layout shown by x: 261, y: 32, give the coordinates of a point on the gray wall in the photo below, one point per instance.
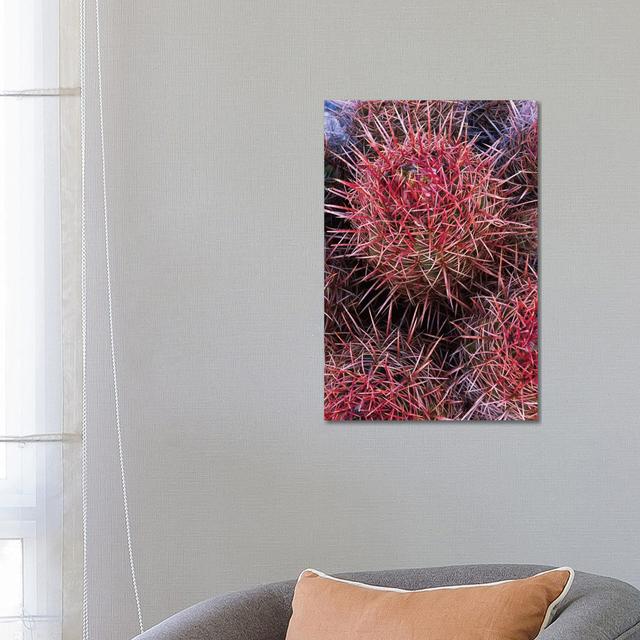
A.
x: 214, y: 149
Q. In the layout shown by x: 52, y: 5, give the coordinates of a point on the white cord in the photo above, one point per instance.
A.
x: 105, y: 209
x: 83, y: 304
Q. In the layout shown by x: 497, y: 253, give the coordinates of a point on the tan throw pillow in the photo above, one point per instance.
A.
x: 326, y: 608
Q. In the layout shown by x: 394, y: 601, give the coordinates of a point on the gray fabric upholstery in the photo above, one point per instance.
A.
x: 596, y: 608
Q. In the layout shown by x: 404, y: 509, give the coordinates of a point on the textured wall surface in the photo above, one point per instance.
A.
x: 213, y: 117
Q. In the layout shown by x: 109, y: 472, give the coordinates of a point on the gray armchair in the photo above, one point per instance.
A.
x: 596, y: 608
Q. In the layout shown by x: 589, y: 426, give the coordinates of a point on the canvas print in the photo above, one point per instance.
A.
x: 431, y: 260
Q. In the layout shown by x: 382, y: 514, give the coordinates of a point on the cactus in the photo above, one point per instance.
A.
x: 428, y: 215
x: 519, y: 168
x: 499, y: 352
x: 430, y: 260
x: 376, y: 377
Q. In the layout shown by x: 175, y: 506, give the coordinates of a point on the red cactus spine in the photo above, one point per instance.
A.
x: 427, y: 215
x: 430, y: 260
x: 499, y: 353
x: 383, y: 378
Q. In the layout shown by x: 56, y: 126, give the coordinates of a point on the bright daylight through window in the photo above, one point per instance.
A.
x: 33, y: 442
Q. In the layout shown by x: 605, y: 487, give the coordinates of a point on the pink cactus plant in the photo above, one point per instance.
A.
x: 431, y: 238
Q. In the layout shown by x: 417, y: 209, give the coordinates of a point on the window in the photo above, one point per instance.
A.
x: 33, y: 431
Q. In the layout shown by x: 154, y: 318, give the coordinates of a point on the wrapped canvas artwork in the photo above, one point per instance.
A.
x: 431, y: 260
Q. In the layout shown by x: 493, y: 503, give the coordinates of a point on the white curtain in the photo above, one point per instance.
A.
x: 40, y: 548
